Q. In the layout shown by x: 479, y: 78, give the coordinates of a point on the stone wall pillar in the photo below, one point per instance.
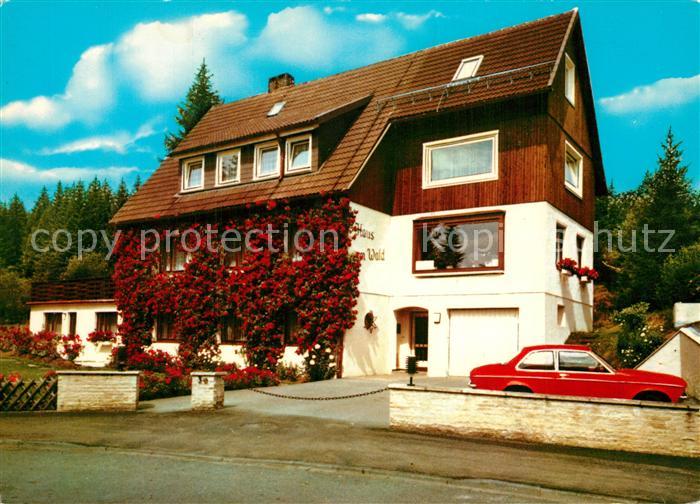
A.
x: 207, y: 390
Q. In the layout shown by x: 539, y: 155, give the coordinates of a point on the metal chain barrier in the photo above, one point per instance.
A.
x: 301, y: 398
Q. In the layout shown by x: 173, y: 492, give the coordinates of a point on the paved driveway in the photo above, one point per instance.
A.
x: 370, y: 410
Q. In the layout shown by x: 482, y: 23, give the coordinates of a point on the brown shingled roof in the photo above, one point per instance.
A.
x: 517, y: 61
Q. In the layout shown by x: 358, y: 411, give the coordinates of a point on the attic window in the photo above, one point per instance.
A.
x: 570, y: 80
x: 468, y: 68
x: 276, y: 109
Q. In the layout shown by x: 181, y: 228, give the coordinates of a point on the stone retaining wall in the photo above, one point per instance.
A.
x: 98, y: 390
x: 609, y: 424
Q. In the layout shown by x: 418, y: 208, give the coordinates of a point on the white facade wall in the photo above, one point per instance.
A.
x: 529, y: 283
x: 93, y: 354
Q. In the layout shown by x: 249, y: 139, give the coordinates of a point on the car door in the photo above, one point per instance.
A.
x: 579, y: 373
x: 537, y: 371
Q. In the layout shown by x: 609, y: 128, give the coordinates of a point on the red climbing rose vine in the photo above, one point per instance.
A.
x: 302, y: 295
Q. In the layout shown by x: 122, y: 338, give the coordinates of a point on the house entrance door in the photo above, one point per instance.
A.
x: 420, y: 339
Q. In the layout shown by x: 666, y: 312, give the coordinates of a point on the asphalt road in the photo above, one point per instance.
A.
x: 63, y: 473
x: 240, y: 455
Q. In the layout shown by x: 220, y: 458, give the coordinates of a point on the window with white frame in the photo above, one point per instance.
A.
x: 267, y: 160
x: 561, y: 234
x: 570, y: 80
x: 467, y: 68
x: 472, y: 158
x: 298, y: 154
x: 573, y: 170
x: 228, y: 169
x: 193, y: 174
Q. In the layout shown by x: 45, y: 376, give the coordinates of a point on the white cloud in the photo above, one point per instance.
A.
x: 370, y: 17
x: 89, y: 92
x: 414, y: 21
x: 322, y: 44
x: 119, y: 142
x: 661, y: 94
x: 330, y: 10
x: 17, y: 171
x: 159, y: 58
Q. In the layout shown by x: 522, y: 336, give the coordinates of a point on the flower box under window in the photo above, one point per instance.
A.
x: 459, y: 244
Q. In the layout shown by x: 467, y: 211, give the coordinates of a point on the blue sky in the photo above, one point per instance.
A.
x: 89, y: 88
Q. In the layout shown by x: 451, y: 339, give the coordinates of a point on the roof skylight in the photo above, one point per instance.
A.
x: 276, y: 109
x: 468, y: 68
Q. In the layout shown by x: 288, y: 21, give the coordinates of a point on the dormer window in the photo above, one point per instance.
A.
x: 570, y: 80
x: 298, y: 154
x: 267, y: 160
x: 193, y: 174
x: 228, y: 167
x: 276, y: 109
x: 468, y: 68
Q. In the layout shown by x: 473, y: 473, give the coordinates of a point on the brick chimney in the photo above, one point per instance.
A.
x: 280, y: 81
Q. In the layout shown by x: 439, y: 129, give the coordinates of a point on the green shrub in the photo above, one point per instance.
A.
x: 680, y: 277
x: 637, y: 339
x: 289, y: 372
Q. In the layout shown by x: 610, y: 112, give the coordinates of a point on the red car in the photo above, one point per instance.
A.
x: 574, y: 370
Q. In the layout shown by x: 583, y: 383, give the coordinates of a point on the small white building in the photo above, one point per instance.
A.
x: 680, y: 354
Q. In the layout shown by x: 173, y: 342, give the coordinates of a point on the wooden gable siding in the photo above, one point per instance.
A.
x: 522, y: 158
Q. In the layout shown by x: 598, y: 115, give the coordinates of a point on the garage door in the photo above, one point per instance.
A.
x: 481, y: 337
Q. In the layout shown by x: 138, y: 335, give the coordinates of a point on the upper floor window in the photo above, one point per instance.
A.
x: 472, y: 158
x: 580, y: 242
x: 467, y: 68
x: 561, y: 233
x: 267, y: 160
x: 573, y: 172
x: 173, y: 256
x: 469, y: 243
x: 298, y: 154
x: 165, y: 328
x: 193, y: 174
x: 228, y: 169
x: 570, y: 80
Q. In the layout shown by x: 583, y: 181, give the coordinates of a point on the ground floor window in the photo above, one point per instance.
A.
x: 106, y: 322
x: 53, y: 322
x: 232, y: 330
x: 468, y: 243
x: 165, y: 328
x: 291, y: 329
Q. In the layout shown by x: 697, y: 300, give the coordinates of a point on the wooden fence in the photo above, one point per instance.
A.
x: 33, y: 395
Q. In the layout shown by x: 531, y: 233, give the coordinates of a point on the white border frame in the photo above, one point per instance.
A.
x: 185, y: 170
x: 570, y: 69
x: 288, y: 151
x: 258, y: 150
x: 428, y: 147
x: 219, y: 155
x: 571, y: 150
x: 478, y: 59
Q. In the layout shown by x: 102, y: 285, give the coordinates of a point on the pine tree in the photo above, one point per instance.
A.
x: 14, y: 232
x: 665, y: 202
x: 200, y: 98
x: 120, y: 196
x: 137, y: 184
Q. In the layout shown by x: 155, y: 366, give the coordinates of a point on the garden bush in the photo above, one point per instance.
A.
x: 248, y: 377
x: 172, y: 382
x: 637, y: 339
x: 22, y: 341
x: 680, y: 277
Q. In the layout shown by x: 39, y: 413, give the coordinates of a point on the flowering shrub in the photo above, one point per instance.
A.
x: 320, y: 363
x: 319, y: 285
x: 22, y: 341
x: 172, y: 382
x: 152, y: 360
x: 72, y: 346
x: 638, y: 338
x: 248, y: 377
x: 289, y: 372
x: 101, y: 336
x: 12, y: 377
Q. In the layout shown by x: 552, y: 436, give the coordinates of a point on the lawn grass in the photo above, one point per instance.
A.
x: 26, y: 368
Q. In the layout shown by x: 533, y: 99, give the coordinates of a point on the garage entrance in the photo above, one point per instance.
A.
x: 481, y: 336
